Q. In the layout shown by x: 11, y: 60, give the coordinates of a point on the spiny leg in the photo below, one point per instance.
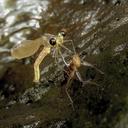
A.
x: 56, y: 56
x: 84, y: 63
x: 72, y: 45
x: 63, y: 57
x: 90, y: 82
x: 79, y: 76
x: 66, y: 90
x: 66, y: 48
x: 38, y: 61
x: 86, y: 81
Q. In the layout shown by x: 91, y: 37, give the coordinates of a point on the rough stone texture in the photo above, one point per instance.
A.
x: 99, y: 30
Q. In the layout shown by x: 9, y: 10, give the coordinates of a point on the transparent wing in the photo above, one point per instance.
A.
x: 25, y: 49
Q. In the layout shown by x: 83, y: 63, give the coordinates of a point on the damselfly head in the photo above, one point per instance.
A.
x: 52, y: 41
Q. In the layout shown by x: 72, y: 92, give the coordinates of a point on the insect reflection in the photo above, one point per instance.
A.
x: 48, y: 41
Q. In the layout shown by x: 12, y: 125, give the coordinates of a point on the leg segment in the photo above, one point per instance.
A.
x: 38, y: 61
x: 66, y: 90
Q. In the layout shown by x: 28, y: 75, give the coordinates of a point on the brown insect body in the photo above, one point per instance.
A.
x: 70, y: 74
x: 73, y: 66
x: 71, y: 71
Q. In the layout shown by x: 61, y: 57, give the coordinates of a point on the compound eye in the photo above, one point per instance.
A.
x: 52, y: 41
x: 63, y: 33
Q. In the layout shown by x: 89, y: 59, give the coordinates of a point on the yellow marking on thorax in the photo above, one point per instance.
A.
x: 59, y: 39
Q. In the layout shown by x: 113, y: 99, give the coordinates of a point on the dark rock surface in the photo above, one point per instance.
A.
x: 99, y: 29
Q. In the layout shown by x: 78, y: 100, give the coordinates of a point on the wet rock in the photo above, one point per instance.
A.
x: 3, y: 69
x: 33, y: 94
x: 11, y: 83
x: 98, y: 29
